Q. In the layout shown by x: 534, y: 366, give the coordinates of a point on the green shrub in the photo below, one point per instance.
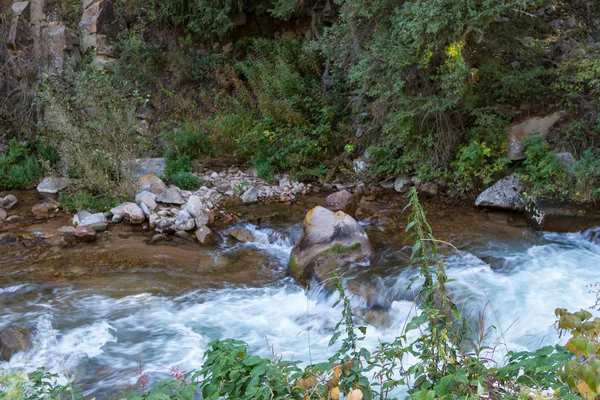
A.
x: 91, y: 121
x: 587, y: 176
x: 543, y: 172
x: 477, y: 166
x: 84, y: 200
x: 19, y: 168
x: 185, y: 180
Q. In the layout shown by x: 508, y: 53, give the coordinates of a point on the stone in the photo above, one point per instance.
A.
x: 148, y: 199
x: 538, y: 126
x: 210, y: 197
x: 79, y: 216
x: 341, y: 201
x: 151, y: 183
x: 3, y: 214
x: 171, y: 196
x: 45, y: 208
x: 153, y: 219
x: 196, y: 206
x: 360, y: 165
x: 506, y: 194
x: 145, y: 209
x: 250, y: 196
x: 20, y: 34
x: 62, y: 53
x: 12, y: 341
x: 53, y: 185
x: 9, y: 202
x: 206, y: 236
x: 553, y: 216
x: 184, y: 221
x: 8, y: 237
x: 147, y: 166
x: 65, y: 231
x: 99, y: 24
x: 402, y: 184
x: 165, y: 225
x: 428, y: 189
x: 567, y: 160
x: 85, y: 234
x: 239, y: 19
x: 133, y: 213
x: 243, y: 235
x: 330, y: 240
x: 97, y: 222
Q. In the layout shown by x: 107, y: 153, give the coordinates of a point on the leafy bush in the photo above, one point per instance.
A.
x: 587, y: 176
x: 543, y: 171
x: 83, y: 200
x: 185, y: 180
x: 477, y: 166
x: 19, y: 168
x: 91, y: 122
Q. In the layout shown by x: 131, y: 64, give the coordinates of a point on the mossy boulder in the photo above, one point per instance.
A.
x: 330, y: 240
x: 13, y: 340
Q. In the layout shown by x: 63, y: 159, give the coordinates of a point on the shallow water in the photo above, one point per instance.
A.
x: 95, y: 308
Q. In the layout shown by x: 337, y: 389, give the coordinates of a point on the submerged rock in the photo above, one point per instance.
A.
x: 8, y: 237
x: 206, y: 236
x: 561, y: 216
x: 330, y: 240
x: 506, y: 194
x: 13, y: 340
x: 341, y: 201
x: 46, y: 208
x: 53, y: 185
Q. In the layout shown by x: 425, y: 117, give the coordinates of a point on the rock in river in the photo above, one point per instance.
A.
x: 329, y: 240
x: 13, y: 340
x: 506, y: 194
x: 342, y: 201
x: 8, y: 202
x: 53, y: 185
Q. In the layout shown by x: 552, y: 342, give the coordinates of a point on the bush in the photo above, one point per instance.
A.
x: 19, y: 168
x: 83, y: 200
x: 477, y: 166
x: 543, y: 172
x: 91, y: 122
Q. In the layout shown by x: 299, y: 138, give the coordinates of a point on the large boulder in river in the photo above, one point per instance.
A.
x: 8, y: 202
x: 561, y: 216
x: 329, y: 240
x: 53, y: 185
x: 13, y: 340
x: 506, y: 194
x: 341, y: 201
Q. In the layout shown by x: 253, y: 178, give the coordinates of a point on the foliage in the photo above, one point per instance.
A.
x: 543, y: 171
x: 39, y: 385
x: 84, y: 200
x: 587, y: 176
x: 185, y: 180
x: 91, y: 122
x: 476, y: 167
x: 18, y: 168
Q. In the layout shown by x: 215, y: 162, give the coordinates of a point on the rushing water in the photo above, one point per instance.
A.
x: 93, y: 329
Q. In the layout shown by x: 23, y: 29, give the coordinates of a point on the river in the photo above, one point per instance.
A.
x: 96, y: 307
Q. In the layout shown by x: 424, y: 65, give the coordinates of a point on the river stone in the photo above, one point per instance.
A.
x: 80, y: 216
x: 8, y: 237
x: 147, y: 198
x: 165, y: 225
x: 428, y: 189
x: 567, y: 160
x: 341, y: 201
x: 133, y: 213
x: 402, y: 184
x: 329, y: 240
x: 537, y: 126
x: 145, y: 209
x: 97, y: 222
x: 85, y: 234
x: 3, y: 214
x: 13, y: 340
x: 552, y: 216
x: 250, y: 196
x: 206, y: 236
x: 506, y: 194
x: 9, y: 201
x: 151, y: 183
x: 184, y: 221
x: 45, y: 208
x: 210, y: 197
x: 243, y: 235
x: 171, y: 196
x: 53, y: 185
x: 196, y: 207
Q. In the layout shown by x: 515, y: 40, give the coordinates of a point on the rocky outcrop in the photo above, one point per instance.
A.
x: 53, y: 185
x: 13, y: 340
x: 506, y: 194
x: 516, y: 134
x: 99, y: 28
x: 341, y: 201
x: 561, y: 217
x: 330, y: 240
x: 61, y: 47
x: 147, y: 166
x: 20, y: 34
